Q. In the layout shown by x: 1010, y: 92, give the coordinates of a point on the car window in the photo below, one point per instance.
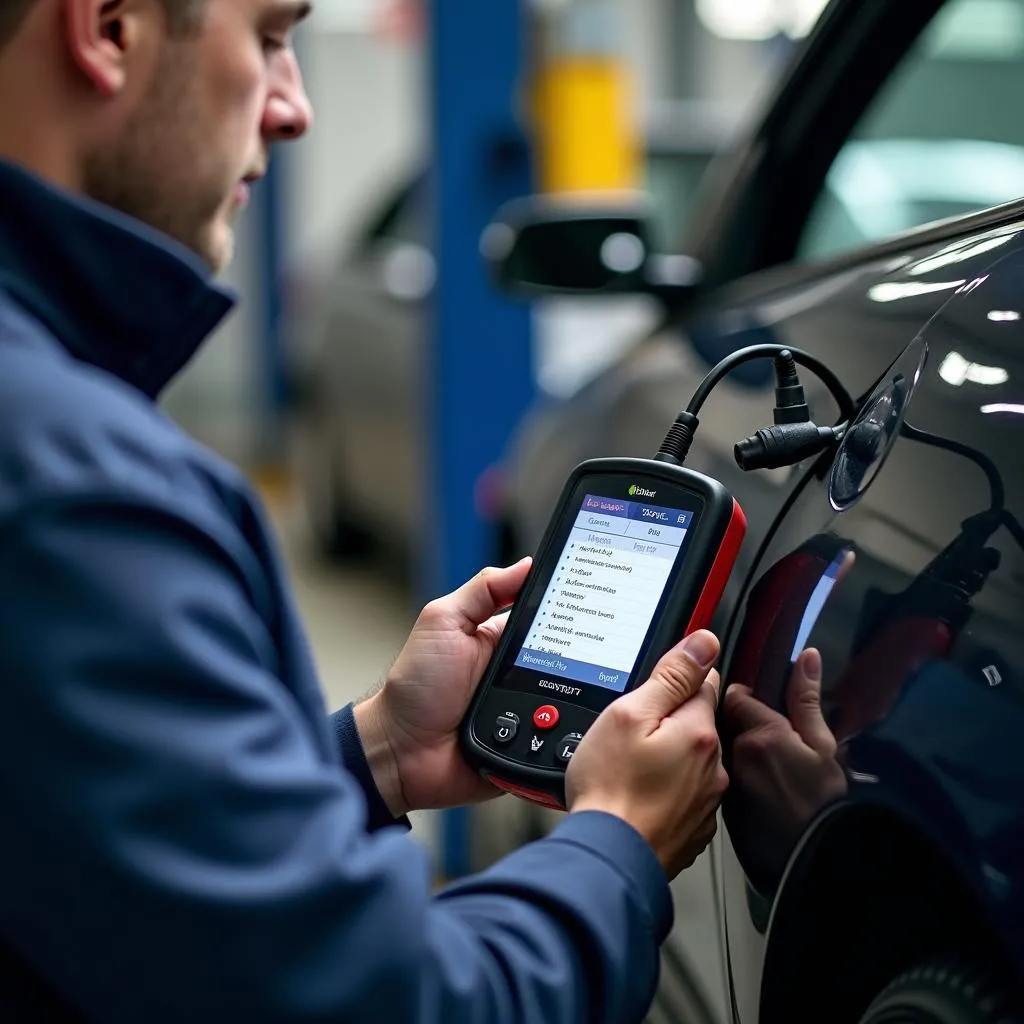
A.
x: 943, y: 138
x: 672, y: 179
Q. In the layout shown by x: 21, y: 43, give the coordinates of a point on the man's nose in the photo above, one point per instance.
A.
x: 288, y: 114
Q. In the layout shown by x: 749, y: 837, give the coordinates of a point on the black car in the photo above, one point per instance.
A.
x: 871, y: 867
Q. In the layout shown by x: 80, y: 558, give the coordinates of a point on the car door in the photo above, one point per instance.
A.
x: 884, y: 829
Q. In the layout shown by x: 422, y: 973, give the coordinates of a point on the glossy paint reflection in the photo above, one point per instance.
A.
x: 781, y: 752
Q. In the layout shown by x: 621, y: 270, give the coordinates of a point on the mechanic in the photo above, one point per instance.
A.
x: 187, y: 835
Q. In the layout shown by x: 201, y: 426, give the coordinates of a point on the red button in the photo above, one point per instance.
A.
x: 545, y: 717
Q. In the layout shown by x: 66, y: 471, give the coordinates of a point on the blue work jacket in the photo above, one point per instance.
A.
x: 187, y: 835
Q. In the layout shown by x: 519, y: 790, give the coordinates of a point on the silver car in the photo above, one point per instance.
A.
x: 357, y: 380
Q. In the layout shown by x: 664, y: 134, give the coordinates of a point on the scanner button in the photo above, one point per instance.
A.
x: 545, y: 717
x: 567, y: 747
x: 505, y: 729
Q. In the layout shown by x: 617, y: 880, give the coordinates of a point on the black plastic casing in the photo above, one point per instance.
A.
x: 688, y: 603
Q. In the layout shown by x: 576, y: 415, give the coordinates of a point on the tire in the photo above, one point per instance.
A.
x: 944, y: 991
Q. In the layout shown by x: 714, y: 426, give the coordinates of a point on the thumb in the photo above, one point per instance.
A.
x: 803, y: 701
x: 488, y: 592
x: 679, y: 675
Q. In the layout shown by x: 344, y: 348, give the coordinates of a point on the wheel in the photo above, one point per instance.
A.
x: 945, y: 991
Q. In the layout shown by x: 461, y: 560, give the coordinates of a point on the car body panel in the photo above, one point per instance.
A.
x: 921, y: 683
x: 860, y: 317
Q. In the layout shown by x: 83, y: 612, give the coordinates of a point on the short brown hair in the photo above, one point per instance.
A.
x: 182, y: 16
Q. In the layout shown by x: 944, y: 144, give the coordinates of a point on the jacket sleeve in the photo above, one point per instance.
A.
x: 176, y: 848
x: 353, y: 757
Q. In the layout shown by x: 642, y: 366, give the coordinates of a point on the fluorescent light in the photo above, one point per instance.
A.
x: 758, y: 20
x: 889, y: 291
x: 989, y: 376
x: 750, y: 20
x: 1003, y: 407
x: 1002, y: 316
x: 959, y: 253
x: 954, y: 369
x: 957, y: 371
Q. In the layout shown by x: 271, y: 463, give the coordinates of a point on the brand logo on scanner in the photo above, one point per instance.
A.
x: 642, y: 491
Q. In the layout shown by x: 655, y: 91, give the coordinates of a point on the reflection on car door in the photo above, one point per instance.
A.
x: 901, y: 563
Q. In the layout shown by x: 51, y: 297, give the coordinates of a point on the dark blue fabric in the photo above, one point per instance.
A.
x: 182, y: 837
x: 354, y: 759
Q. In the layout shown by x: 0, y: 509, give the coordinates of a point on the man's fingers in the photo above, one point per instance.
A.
x: 679, y: 675
x: 711, y: 690
x: 488, y: 592
x: 744, y: 712
x: 707, y: 698
x: 494, y: 626
x: 803, y: 701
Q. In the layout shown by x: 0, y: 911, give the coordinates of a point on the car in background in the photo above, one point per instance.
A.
x: 871, y: 864
x: 356, y: 391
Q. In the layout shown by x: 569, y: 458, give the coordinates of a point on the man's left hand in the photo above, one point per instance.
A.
x: 410, y: 728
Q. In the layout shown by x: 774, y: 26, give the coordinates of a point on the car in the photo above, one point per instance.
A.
x: 355, y: 383
x: 870, y: 863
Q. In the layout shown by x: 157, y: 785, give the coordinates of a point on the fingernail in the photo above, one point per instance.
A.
x: 812, y: 664
x: 702, y: 647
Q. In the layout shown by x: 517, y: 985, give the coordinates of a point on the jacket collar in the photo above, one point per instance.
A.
x: 115, y: 292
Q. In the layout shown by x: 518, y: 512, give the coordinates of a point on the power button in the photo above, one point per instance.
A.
x: 546, y: 717
x: 505, y: 728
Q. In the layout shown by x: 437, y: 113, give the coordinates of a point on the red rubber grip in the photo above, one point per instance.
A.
x: 718, y: 577
x: 533, y: 795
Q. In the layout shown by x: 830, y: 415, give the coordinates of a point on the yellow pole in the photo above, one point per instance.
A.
x: 586, y: 133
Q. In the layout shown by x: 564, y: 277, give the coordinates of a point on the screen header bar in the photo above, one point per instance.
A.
x: 641, y: 511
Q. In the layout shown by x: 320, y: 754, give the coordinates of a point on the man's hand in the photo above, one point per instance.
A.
x: 784, y: 770
x: 653, y: 758
x: 410, y: 728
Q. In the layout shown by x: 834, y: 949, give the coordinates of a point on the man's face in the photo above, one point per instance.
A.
x: 182, y: 158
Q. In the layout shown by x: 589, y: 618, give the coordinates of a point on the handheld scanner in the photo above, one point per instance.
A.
x: 636, y: 556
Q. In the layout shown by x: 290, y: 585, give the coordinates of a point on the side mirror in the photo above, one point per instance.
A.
x: 545, y: 245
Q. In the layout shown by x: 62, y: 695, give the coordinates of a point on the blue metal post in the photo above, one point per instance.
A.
x: 478, y: 377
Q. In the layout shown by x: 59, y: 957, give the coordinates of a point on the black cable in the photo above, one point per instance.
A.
x: 995, y: 481
x: 745, y: 355
x: 788, y: 438
x: 983, y: 462
x: 1012, y: 523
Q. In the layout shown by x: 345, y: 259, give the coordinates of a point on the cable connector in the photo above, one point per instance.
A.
x: 790, y: 405
x: 790, y: 401
x: 676, y: 445
x: 785, y: 444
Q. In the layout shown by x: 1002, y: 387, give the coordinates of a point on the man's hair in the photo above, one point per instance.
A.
x: 182, y: 16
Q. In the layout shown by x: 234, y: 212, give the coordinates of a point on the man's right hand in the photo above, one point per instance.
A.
x: 653, y: 757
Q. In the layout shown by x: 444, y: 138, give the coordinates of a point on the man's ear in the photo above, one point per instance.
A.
x: 100, y: 35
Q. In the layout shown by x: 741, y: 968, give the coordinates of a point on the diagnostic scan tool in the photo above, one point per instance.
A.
x: 636, y: 555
